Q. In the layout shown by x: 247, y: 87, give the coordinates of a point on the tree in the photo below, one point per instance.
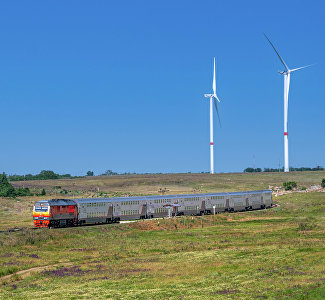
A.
x: 47, y: 174
x: 90, y: 173
x: 252, y: 170
x: 323, y: 183
x: 43, y: 192
x: 6, y: 189
x: 109, y: 173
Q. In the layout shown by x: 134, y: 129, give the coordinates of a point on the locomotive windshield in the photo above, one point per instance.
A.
x: 41, y: 208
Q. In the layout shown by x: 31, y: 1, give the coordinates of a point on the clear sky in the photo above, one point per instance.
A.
x: 97, y: 85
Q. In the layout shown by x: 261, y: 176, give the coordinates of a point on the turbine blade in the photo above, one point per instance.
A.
x: 214, y: 85
x: 285, y: 65
x: 301, y: 68
x: 216, y: 106
x: 216, y: 97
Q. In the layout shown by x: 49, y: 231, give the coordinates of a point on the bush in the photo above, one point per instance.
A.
x: 6, y: 189
x: 43, y: 192
x: 303, y: 188
x: 23, y: 192
x: 64, y: 192
x: 323, y: 183
x: 288, y: 186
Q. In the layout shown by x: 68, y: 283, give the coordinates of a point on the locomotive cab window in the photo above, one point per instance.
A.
x: 41, y: 208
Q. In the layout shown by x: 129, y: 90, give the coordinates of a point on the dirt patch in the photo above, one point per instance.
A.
x: 146, y: 225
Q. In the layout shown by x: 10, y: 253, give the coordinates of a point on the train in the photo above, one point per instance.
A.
x: 75, y: 212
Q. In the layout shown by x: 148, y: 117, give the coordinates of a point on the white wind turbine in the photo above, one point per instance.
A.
x: 213, y: 99
x: 286, y: 73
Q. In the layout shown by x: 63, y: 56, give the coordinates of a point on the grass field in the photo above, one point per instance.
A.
x: 277, y: 253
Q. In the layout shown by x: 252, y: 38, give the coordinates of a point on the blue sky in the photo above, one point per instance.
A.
x: 97, y: 85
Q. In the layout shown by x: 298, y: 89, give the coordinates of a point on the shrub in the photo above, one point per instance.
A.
x: 323, y: 183
x: 303, y: 188
x: 289, y: 185
x: 23, y: 192
x: 6, y: 189
x: 43, y: 192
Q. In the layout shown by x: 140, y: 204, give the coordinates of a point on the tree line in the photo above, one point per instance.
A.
x: 7, y: 190
x: 256, y: 170
x: 43, y: 175
x: 48, y: 174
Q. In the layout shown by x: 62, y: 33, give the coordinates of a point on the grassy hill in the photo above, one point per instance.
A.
x: 277, y: 253
x: 175, y: 183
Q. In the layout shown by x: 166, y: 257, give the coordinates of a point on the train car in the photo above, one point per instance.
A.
x: 58, y: 213
x: 95, y: 210
x: 55, y: 213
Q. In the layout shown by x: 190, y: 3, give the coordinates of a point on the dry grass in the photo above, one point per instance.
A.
x: 177, y: 183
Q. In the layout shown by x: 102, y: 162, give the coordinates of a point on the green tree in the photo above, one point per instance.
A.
x: 109, y: 173
x: 323, y: 183
x: 43, y: 192
x: 6, y: 189
x: 90, y: 173
x: 47, y: 174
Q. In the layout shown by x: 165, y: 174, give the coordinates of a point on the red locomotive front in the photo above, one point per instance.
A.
x: 55, y: 213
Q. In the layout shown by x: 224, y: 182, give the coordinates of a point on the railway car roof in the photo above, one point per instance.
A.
x: 117, y: 199
x: 57, y: 202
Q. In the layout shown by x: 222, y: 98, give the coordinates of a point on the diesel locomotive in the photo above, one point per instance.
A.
x: 73, y: 212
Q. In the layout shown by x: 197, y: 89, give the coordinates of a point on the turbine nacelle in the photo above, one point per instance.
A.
x: 211, y: 96
x: 293, y: 70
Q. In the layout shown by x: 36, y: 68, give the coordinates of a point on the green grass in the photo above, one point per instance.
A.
x: 277, y: 253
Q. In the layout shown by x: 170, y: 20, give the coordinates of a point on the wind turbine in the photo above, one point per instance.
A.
x: 286, y: 73
x: 213, y: 99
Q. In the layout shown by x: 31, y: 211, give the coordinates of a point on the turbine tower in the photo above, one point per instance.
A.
x: 213, y: 99
x: 286, y: 73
